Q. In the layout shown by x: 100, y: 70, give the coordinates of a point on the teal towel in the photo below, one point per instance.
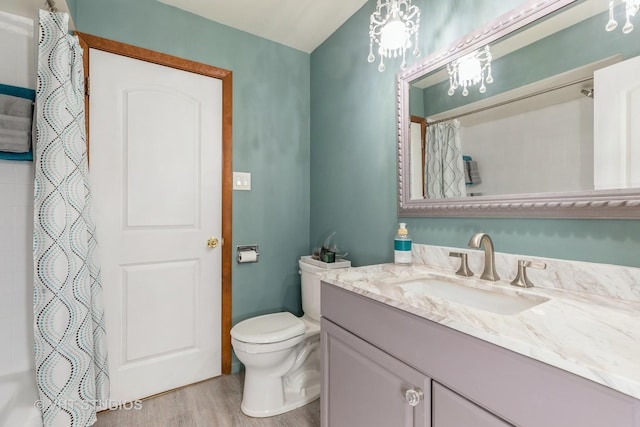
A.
x: 21, y: 93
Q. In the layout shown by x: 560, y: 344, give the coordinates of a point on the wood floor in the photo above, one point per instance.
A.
x: 212, y: 403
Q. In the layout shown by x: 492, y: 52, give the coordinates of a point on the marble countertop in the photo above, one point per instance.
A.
x: 593, y: 336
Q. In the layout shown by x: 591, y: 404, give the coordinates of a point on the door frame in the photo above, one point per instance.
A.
x: 88, y: 41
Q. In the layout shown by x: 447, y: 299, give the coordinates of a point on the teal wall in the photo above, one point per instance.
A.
x: 416, y: 101
x: 72, y: 4
x: 270, y: 135
x: 353, y: 155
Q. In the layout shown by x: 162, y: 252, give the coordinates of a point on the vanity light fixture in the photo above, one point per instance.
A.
x: 391, y: 27
x: 470, y: 70
x: 631, y: 8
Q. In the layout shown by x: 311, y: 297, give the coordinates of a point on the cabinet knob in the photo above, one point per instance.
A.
x: 414, y: 396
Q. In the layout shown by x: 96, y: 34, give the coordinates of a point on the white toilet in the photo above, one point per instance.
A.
x: 281, y: 353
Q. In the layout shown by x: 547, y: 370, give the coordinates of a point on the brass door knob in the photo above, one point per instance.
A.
x: 212, y: 243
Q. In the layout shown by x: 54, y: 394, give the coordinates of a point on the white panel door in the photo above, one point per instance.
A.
x: 156, y: 167
x: 616, y: 126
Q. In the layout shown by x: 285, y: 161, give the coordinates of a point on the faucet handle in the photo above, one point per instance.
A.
x: 521, y: 278
x: 464, y: 269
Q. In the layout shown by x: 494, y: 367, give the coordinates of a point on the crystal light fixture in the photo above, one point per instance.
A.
x: 470, y: 70
x: 391, y: 27
x: 631, y: 8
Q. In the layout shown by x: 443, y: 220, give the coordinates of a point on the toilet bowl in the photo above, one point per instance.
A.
x: 282, y: 372
x: 281, y: 353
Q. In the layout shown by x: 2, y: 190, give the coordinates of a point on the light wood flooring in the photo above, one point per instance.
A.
x: 212, y: 403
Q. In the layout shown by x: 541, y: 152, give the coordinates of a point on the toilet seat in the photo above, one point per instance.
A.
x: 268, y: 328
x: 253, y: 348
x: 270, y: 332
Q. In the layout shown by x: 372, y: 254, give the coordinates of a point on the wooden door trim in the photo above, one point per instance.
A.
x: 88, y: 41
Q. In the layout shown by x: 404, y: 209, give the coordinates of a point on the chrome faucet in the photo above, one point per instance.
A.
x: 483, y: 240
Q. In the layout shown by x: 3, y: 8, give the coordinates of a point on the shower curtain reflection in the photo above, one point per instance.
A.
x: 444, y: 169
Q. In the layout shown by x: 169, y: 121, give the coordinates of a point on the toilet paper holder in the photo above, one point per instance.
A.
x: 243, y: 250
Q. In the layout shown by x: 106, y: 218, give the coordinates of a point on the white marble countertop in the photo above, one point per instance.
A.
x: 593, y: 336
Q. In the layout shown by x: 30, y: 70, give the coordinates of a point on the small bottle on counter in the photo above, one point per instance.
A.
x: 402, y: 246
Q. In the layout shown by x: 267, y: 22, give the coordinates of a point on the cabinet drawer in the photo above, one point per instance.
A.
x: 364, y: 386
x: 452, y: 410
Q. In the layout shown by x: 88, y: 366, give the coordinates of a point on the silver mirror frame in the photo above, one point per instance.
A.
x: 620, y: 204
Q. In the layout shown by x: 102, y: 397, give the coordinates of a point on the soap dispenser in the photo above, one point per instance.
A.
x: 402, y: 246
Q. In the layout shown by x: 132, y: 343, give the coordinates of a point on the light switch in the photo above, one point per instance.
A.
x: 242, y: 181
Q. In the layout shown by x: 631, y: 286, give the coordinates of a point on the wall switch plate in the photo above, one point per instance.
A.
x: 242, y: 181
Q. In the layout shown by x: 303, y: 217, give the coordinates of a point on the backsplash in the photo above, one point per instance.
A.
x: 612, y: 281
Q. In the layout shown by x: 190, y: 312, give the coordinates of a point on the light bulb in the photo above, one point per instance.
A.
x: 469, y: 70
x: 394, y: 35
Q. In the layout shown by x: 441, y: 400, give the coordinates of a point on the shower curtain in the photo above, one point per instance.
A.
x: 444, y: 169
x: 69, y: 333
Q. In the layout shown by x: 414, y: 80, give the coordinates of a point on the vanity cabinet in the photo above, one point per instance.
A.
x: 452, y: 410
x: 367, y: 386
x: 373, y: 353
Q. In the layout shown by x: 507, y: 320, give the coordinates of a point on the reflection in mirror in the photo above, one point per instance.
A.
x: 416, y: 154
x: 534, y: 139
x: 546, y: 125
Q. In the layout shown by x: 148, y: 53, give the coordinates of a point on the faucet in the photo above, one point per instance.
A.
x: 483, y: 240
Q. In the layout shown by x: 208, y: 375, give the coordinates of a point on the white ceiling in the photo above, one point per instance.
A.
x: 300, y: 24
x: 29, y: 8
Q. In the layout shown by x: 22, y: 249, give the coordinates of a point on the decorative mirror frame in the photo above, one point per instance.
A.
x: 621, y: 204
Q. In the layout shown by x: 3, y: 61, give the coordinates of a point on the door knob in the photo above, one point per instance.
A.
x: 212, y: 243
x: 414, y: 396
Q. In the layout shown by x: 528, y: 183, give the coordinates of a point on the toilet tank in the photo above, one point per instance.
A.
x: 310, y: 283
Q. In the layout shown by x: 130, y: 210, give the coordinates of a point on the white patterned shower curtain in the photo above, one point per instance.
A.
x: 70, y: 340
x: 443, y: 167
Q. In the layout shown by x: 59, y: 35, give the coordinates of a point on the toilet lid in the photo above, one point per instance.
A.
x: 269, y: 328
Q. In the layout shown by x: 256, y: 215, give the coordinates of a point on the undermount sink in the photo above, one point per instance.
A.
x: 495, y: 301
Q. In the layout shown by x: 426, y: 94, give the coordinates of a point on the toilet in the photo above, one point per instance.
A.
x: 281, y: 352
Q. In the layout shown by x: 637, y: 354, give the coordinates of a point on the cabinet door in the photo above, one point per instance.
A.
x: 364, y: 386
x: 452, y: 410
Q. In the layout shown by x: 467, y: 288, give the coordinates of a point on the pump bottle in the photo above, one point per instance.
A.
x: 402, y: 246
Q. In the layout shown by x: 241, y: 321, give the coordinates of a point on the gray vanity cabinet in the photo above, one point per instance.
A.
x: 373, y: 353
x: 452, y: 410
x: 366, y: 387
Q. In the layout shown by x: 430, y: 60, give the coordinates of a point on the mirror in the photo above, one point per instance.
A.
x: 528, y: 146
